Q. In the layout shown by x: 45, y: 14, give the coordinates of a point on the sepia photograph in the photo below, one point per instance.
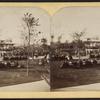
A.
x: 41, y: 51
x: 75, y: 44
x: 24, y: 49
x: 49, y: 50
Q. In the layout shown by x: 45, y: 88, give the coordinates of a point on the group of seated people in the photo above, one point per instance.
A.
x: 79, y: 63
x: 95, y: 56
x: 14, y: 57
x: 61, y: 57
x: 69, y: 61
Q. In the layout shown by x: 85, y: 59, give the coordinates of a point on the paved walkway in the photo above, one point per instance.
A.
x: 90, y: 87
x: 42, y: 86
x: 38, y: 86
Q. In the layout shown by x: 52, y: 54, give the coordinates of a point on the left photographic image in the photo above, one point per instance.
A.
x: 24, y: 49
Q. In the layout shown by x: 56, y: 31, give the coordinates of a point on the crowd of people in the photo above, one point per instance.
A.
x: 70, y: 61
x: 13, y: 57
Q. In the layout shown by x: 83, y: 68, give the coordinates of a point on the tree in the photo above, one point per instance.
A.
x: 78, y: 36
x: 30, y: 23
x: 52, y: 37
x: 59, y: 38
x: 77, y: 39
x: 44, y: 41
x: 29, y: 27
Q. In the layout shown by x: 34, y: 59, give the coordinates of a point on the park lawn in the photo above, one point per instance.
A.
x: 13, y: 76
x: 69, y: 77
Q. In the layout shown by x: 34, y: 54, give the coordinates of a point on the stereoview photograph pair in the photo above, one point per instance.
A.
x: 40, y: 52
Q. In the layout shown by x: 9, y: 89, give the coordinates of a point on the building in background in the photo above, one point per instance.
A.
x: 92, y: 46
x: 6, y: 47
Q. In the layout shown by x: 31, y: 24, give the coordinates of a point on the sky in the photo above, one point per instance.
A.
x: 65, y: 21
x: 76, y: 19
x: 11, y: 22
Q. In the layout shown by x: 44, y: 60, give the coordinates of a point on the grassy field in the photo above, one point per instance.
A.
x: 68, y: 77
x: 12, y: 76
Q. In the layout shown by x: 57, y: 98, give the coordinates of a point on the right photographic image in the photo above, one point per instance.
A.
x: 75, y: 49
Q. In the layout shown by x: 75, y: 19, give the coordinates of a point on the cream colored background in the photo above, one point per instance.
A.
x: 51, y: 8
